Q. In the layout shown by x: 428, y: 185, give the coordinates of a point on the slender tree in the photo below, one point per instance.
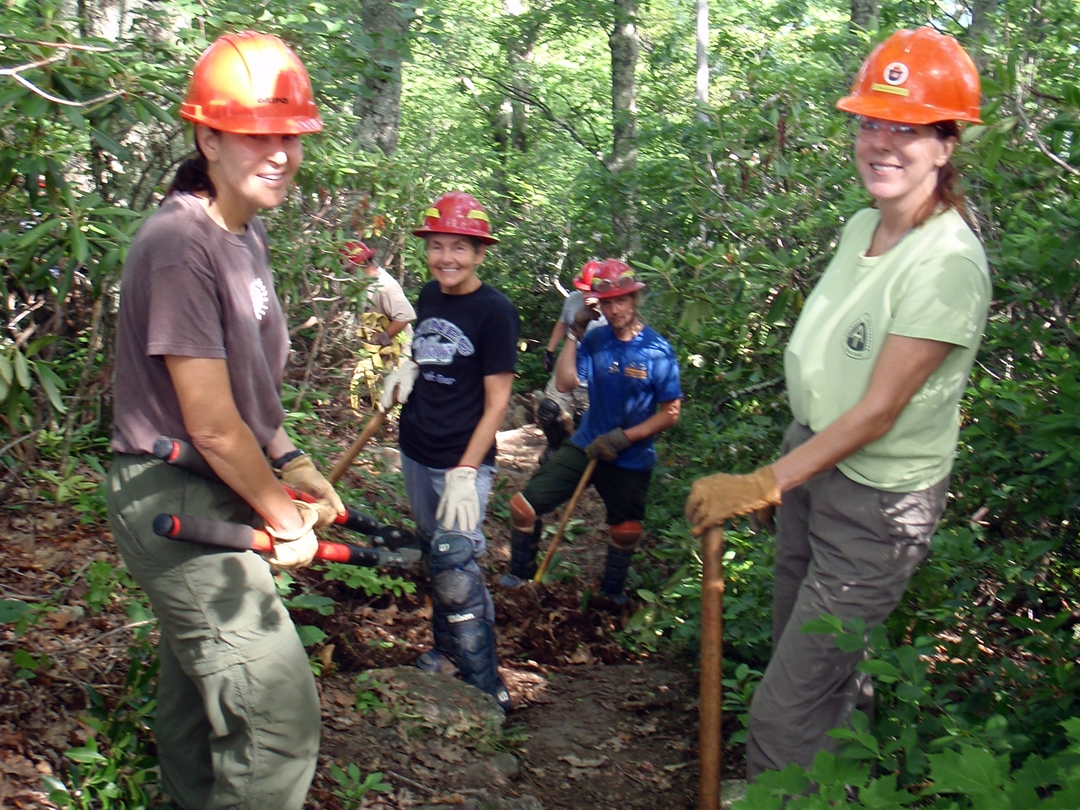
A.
x: 625, y: 45
x: 379, y: 105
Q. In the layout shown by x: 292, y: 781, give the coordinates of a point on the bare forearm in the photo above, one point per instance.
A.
x: 665, y: 417
x: 558, y: 332
x: 496, y: 400
x: 395, y: 327
x: 566, y: 378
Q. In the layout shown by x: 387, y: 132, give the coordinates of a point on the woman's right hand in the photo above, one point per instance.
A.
x: 296, y: 547
x: 715, y: 498
x: 397, y: 385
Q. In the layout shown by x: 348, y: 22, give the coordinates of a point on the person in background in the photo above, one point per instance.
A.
x: 385, y: 297
x: 558, y: 414
x: 454, y: 393
x: 634, y: 394
x: 876, y: 366
x: 201, y: 347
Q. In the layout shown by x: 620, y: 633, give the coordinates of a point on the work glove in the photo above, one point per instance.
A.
x: 295, y: 548
x: 382, y: 339
x: 549, y: 360
x: 460, y: 503
x: 588, y: 313
x: 398, y: 385
x: 715, y: 498
x: 608, y: 445
x: 301, y: 475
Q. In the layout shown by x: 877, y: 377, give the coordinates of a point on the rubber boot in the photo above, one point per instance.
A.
x: 615, y: 571
x: 523, y: 549
x: 549, y: 417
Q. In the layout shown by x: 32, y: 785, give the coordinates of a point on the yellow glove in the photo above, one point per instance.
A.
x: 300, y: 474
x: 295, y: 548
x: 715, y: 498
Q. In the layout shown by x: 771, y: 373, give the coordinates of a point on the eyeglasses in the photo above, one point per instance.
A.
x: 903, y: 133
x: 626, y: 281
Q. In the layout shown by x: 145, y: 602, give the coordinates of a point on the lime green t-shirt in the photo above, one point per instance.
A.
x: 934, y: 284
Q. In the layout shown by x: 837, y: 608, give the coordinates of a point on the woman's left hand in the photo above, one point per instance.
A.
x: 301, y: 475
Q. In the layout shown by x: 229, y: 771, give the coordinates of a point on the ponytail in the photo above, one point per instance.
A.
x: 947, y: 193
x: 193, y: 176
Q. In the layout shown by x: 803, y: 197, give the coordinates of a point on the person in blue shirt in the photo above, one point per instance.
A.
x: 634, y: 394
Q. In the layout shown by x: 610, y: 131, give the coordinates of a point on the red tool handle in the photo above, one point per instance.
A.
x: 240, y: 537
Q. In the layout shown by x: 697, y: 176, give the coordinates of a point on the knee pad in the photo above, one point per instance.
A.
x: 522, y: 515
x: 548, y: 413
x: 625, y: 535
x: 455, y: 576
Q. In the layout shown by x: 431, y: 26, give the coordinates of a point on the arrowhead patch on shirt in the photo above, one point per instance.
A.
x: 859, y: 338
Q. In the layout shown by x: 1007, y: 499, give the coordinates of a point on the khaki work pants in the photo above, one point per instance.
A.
x: 843, y: 549
x: 238, y: 712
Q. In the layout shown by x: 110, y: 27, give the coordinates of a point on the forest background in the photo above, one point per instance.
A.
x: 707, y: 154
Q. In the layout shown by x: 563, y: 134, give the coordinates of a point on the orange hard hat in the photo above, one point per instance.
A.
x: 916, y: 77
x: 457, y: 213
x: 614, y: 278
x: 583, y: 281
x: 251, y: 84
x: 357, y: 252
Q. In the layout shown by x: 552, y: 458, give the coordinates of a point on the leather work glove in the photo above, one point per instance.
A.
x: 460, y: 503
x: 715, y: 498
x: 398, y: 385
x: 582, y: 318
x: 608, y: 445
x: 549, y: 360
x: 382, y: 339
x: 301, y: 475
x: 295, y: 548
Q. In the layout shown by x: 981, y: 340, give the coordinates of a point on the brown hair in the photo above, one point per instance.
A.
x: 947, y: 193
x: 193, y: 176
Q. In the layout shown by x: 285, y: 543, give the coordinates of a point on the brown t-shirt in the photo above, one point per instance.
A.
x: 193, y: 289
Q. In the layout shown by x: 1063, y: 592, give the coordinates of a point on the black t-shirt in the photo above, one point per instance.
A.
x: 459, y: 340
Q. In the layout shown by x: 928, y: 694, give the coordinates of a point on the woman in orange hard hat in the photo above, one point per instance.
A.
x: 201, y: 350
x: 875, y: 369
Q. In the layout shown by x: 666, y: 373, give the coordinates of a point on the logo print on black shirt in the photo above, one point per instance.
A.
x: 438, y: 341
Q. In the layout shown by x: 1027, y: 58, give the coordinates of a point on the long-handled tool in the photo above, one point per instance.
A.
x: 182, y: 454
x: 584, y: 482
x: 710, y: 745
x: 240, y: 537
x: 370, y: 429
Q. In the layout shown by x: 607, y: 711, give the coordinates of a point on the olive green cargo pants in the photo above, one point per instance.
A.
x: 238, y: 712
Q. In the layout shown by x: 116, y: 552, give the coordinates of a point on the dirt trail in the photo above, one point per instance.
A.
x: 594, y: 726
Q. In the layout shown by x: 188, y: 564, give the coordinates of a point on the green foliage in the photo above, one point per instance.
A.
x: 369, y: 580
x: 113, y: 769
x: 354, y: 785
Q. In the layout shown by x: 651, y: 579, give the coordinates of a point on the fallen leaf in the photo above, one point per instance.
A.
x: 578, y: 762
x: 582, y: 655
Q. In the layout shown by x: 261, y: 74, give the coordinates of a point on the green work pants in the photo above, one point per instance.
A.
x: 623, y: 491
x: 238, y: 712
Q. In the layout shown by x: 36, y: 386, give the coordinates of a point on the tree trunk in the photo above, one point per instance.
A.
x: 379, y: 107
x: 702, y: 77
x: 864, y: 15
x: 622, y: 164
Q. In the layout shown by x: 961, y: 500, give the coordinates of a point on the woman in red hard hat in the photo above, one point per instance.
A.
x: 635, y: 394
x: 875, y: 370
x: 201, y: 350
x: 454, y: 394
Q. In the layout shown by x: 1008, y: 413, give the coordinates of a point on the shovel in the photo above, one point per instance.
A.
x: 710, y: 745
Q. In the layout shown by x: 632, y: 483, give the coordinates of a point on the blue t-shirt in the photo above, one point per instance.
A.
x: 627, y: 380
x: 459, y: 340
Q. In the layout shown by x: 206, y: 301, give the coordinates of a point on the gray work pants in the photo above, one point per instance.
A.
x: 238, y: 712
x: 843, y: 549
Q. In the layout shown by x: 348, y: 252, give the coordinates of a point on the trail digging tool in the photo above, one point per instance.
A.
x: 584, y: 482
x: 710, y: 743
x: 370, y: 429
x: 240, y: 537
x: 181, y: 454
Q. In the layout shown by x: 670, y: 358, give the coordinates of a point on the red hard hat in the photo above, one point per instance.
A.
x: 457, y: 213
x: 614, y: 278
x: 916, y: 77
x: 251, y: 84
x: 583, y: 281
x: 357, y: 252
